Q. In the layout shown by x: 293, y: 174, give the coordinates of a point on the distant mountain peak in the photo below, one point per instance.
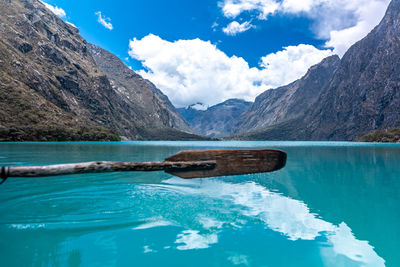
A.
x: 198, y: 106
x: 215, y: 121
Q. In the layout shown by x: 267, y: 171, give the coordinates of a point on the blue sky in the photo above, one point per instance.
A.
x: 212, y: 50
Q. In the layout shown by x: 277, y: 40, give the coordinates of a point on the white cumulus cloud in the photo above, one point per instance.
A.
x: 235, y: 27
x: 192, y: 71
x: 340, y: 22
x: 106, y: 22
x: 233, y: 8
x: 55, y: 9
x: 368, y: 13
x: 291, y: 63
x: 58, y: 11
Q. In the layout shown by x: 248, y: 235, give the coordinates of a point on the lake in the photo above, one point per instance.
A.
x: 334, y: 204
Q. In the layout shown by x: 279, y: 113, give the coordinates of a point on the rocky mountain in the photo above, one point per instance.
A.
x: 51, y: 88
x: 288, y: 102
x: 150, y: 105
x: 363, y: 94
x: 216, y: 121
x: 192, y: 111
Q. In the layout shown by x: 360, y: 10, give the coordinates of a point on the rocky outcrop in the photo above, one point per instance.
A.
x: 363, y: 94
x: 383, y: 136
x: 51, y: 88
x: 216, y: 121
x: 288, y: 102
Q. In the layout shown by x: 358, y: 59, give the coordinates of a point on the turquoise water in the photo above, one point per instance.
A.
x: 334, y: 204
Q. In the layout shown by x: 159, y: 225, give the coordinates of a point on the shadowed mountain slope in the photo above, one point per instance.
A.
x: 363, y: 94
x: 287, y: 102
x: 216, y: 121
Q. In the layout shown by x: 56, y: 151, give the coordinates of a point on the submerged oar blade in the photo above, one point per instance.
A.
x: 230, y: 162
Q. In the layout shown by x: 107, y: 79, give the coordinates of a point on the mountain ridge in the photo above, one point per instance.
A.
x: 52, y: 88
x: 363, y: 94
x: 217, y: 120
x: 371, y: 68
x: 287, y: 102
x: 138, y: 92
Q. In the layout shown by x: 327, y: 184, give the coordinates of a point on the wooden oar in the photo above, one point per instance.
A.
x: 186, y: 164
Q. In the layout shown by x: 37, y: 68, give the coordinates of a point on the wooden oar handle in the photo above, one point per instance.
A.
x: 103, y: 166
x: 4, y: 174
x: 186, y: 164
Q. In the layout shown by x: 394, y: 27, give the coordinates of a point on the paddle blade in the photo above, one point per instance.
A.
x: 230, y: 162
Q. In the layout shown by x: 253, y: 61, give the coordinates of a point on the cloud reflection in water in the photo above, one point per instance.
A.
x: 251, y: 201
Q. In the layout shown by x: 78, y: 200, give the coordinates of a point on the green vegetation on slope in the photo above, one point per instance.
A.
x: 383, y: 136
x: 56, y: 133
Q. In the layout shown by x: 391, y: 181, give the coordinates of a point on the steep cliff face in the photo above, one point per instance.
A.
x: 51, y: 87
x: 216, y: 121
x: 148, y: 103
x: 363, y: 94
x: 288, y: 102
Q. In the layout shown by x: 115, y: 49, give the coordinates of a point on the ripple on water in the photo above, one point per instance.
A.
x: 248, y: 220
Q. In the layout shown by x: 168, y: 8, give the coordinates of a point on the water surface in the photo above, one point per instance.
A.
x: 334, y: 204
